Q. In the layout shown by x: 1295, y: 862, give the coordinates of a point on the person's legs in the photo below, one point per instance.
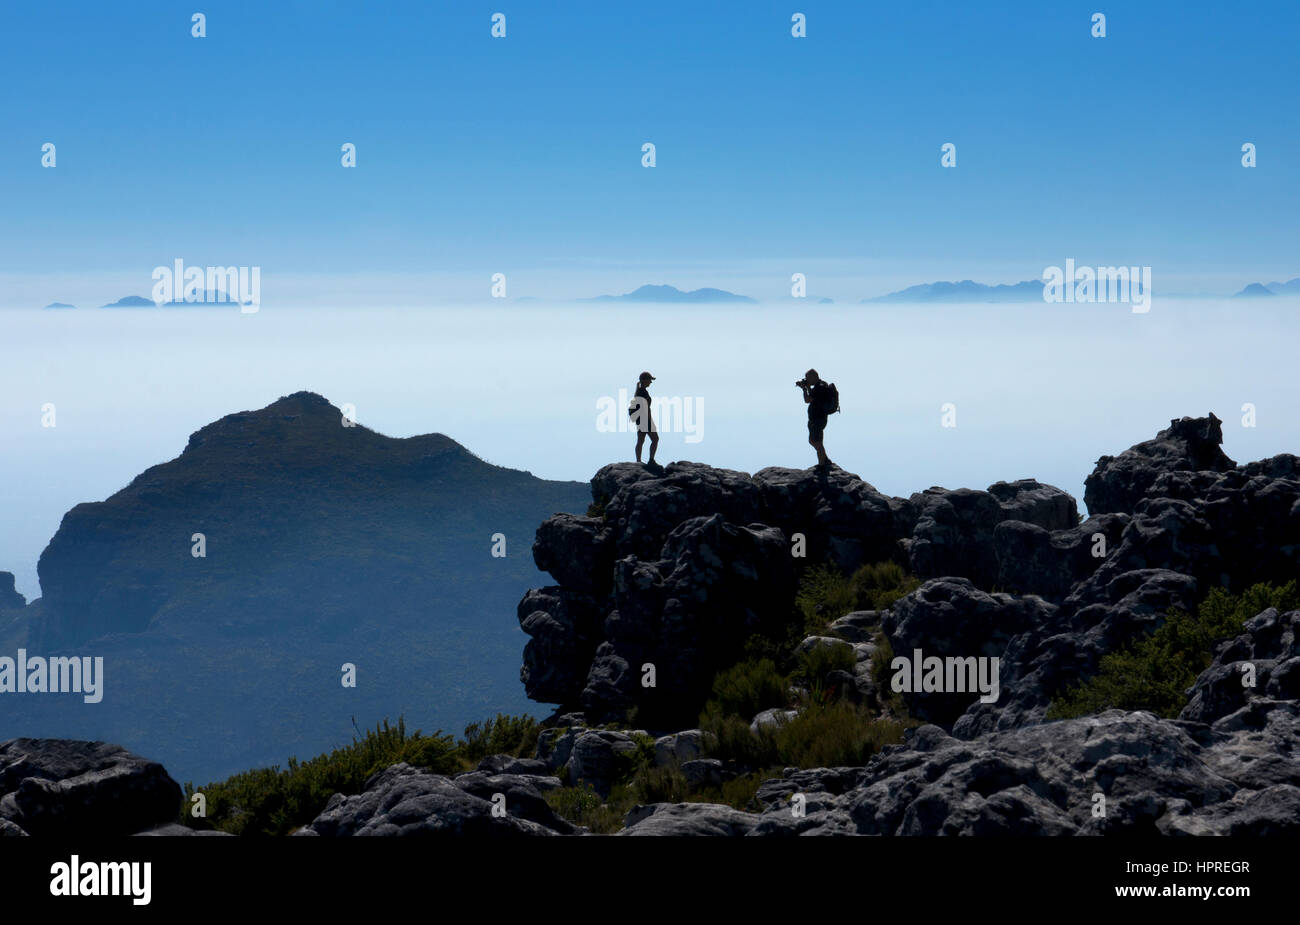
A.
x: 654, y: 444
x: 816, y: 430
x: 640, y: 440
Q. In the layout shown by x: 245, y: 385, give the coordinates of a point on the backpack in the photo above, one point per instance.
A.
x: 831, y: 400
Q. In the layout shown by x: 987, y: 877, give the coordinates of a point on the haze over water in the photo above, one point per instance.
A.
x: 1040, y: 390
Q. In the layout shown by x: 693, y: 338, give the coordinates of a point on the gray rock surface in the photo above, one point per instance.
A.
x: 68, y: 787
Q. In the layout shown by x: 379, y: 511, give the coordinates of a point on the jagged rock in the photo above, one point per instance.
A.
x: 509, y: 764
x: 592, y: 756
x: 10, y: 599
x: 720, y: 584
x: 842, y: 517
x: 524, y: 796
x: 576, y: 550
x: 1032, y: 560
x: 563, y: 626
x: 954, y: 535
x: 9, y: 830
x: 1033, y: 781
x: 950, y: 617
x: 1274, y: 811
x: 1067, y: 646
x: 698, y: 560
x: 858, y: 626
x: 1031, y: 501
x: 1270, y: 647
x: 687, y: 819
x: 643, y: 512
x: 402, y: 800
x: 66, y: 787
x: 1118, y: 483
x: 679, y: 747
x: 702, y: 772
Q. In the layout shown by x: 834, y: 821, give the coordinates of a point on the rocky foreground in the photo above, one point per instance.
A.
x: 676, y: 568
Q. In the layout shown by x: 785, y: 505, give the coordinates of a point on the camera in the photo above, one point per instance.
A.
x: 802, y: 383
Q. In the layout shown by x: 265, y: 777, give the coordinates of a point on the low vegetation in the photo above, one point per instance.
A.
x: 274, y: 801
x: 1155, y: 672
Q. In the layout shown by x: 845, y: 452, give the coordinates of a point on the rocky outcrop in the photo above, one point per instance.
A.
x: 1143, y: 775
x: 709, y: 819
x: 683, y: 564
x: 1118, y: 483
x: 64, y: 787
x: 689, y: 562
x: 403, y: 800
x: 1262, y: 664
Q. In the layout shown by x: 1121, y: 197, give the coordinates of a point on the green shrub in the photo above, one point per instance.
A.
x: 728, y: 737
x: 820, y: 661
x: 1155, y: 672
x: 748, y: 688
x: 272, y: 801
x: 508, y: 735
x: 583, y: 806
x: 834, y: 735
x: 879, y: 585
x: 825, y: 594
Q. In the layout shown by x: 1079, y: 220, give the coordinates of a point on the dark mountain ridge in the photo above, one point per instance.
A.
x: 324, y: 544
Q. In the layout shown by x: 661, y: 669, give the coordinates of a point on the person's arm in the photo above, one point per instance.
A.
x: 807, y: 394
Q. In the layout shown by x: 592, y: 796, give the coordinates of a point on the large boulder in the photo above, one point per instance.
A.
x: 842, y: 518
x: 951, y: 618
x: 1118, y: 483
x: 642, y: 513
x: 688, y: 819
x: 1032, y: 501
x: 402, y: 800
x: 70, y: 788
x: 954, y: 535
x: 563, y: 627
x: 577, y: 551
x: 719, y: 584
x: 595, y: 757
x: 1034, y: 560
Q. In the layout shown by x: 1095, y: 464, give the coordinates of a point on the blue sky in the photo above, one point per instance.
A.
x: 522, y: 155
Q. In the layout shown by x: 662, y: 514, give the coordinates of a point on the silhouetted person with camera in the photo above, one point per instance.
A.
x: 823, y: 400
x: 639, y: 412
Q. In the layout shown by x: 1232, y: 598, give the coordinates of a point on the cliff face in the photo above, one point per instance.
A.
x: 324, y: 544
x: 682, y: 566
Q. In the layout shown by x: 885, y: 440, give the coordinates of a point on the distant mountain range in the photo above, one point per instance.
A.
x: 672, y: 294
x: 966, y: 291
x: 1290, y: 287
x: 60, y: 305
x: 210, y: 297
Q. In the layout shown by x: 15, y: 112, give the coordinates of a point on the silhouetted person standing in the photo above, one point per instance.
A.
x: 823, y: 400
x: 640, y: 414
